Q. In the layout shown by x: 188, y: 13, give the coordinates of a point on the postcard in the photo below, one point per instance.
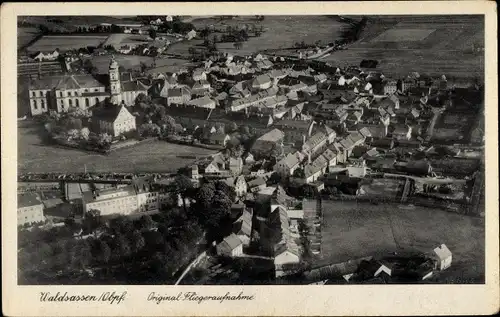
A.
x: 249, y: 159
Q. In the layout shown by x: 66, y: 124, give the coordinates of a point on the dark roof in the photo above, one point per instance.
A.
x: 133, y: 86
x: 28, y: 199
x: 107, y: 113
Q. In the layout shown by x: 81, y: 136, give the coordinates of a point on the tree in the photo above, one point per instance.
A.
x: 152, y: 33
x: 104, y: 139
x: 275, y: 178
x: 104, y: 251
x: 298, y: 173
x: 85, y: 133
x: 149, y: 130
x: 237, y: 45
x: 146, y: 222
x: 93, y: 219
x: 308, y: 191
x: 74, y: 134
x: 137, y: 241
x: 143, y: 67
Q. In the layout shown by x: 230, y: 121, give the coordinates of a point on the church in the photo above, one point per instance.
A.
x: 59, y: 93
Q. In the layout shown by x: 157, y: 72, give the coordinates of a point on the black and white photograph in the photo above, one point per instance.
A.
x: 250, y: 149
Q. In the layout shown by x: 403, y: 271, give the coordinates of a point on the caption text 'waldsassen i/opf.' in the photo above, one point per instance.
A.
x: 199, y: 298
x: 109, y: 297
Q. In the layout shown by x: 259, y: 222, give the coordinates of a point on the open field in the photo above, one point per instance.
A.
x: 133, y: 61
x: 353, y: 230
x: 66, y: 42
x: 279, y: 31
x: 403, y: 34
x: 405, y: 44
x: 157, y: 156
x: 25, y: 35
x: 70, y: 23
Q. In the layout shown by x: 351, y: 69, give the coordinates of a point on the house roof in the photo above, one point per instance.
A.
x: 230, y: 243
x: 108, y: 113
x: 178, y: 92
x: 256, y: 182
x: 261, y: 80
x: 133, y: 86
x: 200, y: 102
x: 288, y: 81
x: 442, y: 252
x: 293, y: 124
x: 28, y: 199
x: 314, y: 140
x: 291, y: 160
x: 346, y: 143
x: 272, y: 136
x: 355, y: 137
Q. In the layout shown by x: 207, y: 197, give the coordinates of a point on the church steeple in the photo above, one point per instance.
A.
x: 115, y: 86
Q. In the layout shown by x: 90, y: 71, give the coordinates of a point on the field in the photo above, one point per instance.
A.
x: 25, y: 35
x: 403, y: 34
x: 434, y: 45
x: 66, y: 42
x: 133, y: 61
x: 34, y: 156
x: 70, y: 23
x: 279, y: 31
x: 352, y: 230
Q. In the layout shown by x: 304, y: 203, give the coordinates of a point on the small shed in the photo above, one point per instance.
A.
x: 443, y: 257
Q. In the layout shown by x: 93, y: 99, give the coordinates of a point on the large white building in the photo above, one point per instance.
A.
x: 60, y: 93
x: 29, y: 209
x: 139, y: 197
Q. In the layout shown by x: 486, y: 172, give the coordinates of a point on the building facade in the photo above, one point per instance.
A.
x: 29, y: 209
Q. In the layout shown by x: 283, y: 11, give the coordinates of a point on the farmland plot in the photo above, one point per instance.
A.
x: 406, y: 44
x: 353, y: 230
x: 26, y: 35
x: 66, y: 42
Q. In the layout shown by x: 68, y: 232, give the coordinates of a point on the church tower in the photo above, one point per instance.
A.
x: 115, y: 86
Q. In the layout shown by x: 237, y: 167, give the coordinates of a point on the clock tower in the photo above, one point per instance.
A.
x: 115, y: 86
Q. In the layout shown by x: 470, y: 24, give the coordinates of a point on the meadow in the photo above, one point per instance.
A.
x: 353, y: 230
x: 158, y: 156
x: 279, y: 31
x: 26, y: 35
x: 134, y: 61
x: 66, y: 42
x: 434, y: 45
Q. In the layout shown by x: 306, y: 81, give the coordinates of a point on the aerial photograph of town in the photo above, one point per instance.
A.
x: 250, y: 150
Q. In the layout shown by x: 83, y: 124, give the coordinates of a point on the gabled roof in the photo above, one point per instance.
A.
x: 230, y: 243
x: 108, y: 113
x: 442, y: 252
x: 355, y: 137
x: 133, y: 86
x: 272, y: 136
x: 291, y: 160
x: 28, y: 199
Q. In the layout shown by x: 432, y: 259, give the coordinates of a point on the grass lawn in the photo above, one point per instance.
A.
x: 352, y: 230
x: 158, y: 156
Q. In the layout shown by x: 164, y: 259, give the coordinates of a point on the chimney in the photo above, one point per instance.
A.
x: 309, y: 157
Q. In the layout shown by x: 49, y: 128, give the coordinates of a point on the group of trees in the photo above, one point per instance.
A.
x: 68, y: 128
x: 213, y: 209
x: 353, y: 32
x: 176, y: 26
x: 155, y: 120
x: 135, y: 249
